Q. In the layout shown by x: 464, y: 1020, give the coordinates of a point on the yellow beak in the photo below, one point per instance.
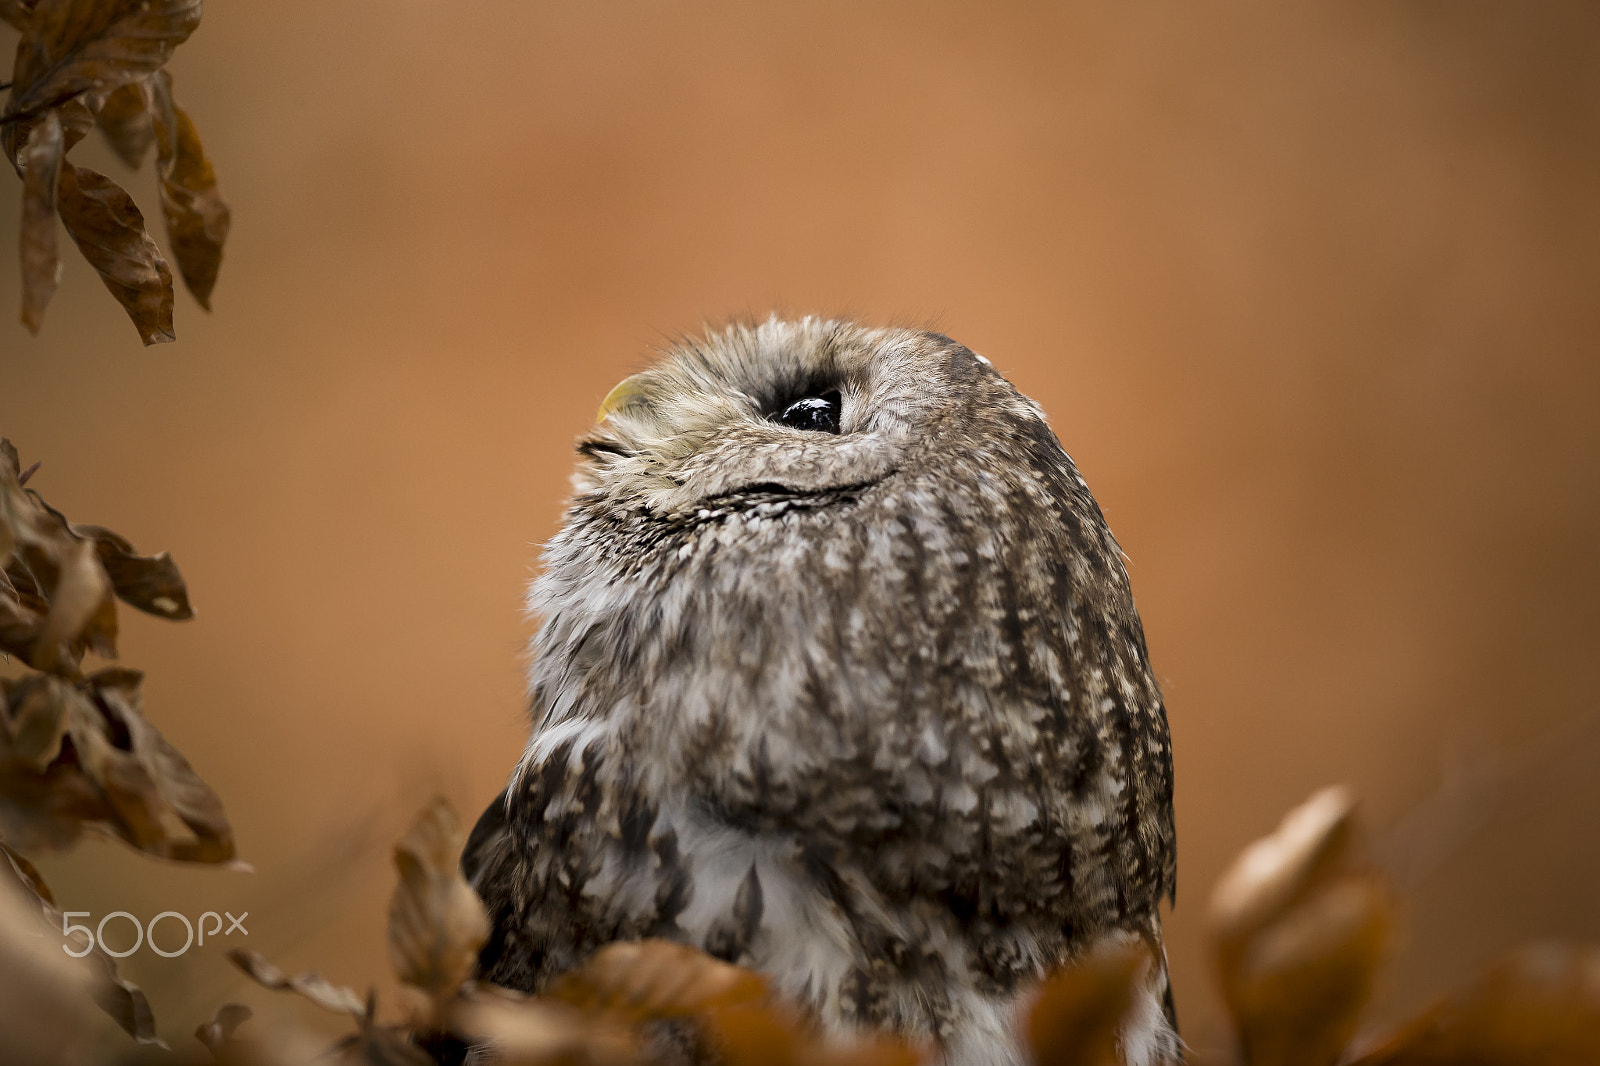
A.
x: 624, y: 395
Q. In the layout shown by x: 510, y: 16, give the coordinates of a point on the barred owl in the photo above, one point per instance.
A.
x: 838, y: 677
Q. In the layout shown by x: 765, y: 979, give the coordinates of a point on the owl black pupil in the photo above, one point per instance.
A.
x: 817, y: 413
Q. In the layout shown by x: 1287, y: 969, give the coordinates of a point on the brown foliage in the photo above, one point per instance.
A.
x: 109, y: 230
x: 656, y: 980
x: 76, y: 751
x: 217, y: 1034
x: 81, y: 755
x: 1300, y: 927
x: 83, y: 63
x: 1079, y: 1008
x: 524, y: 1031
x: 197, y: 219
x: 312, y: 987
x: 436, y: 922
x: 1300, y: 924
x: 124, y: 119
x: 71, y: 47
x: 41, y: 169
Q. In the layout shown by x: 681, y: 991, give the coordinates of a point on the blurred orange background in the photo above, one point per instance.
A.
x: 1310, y: 292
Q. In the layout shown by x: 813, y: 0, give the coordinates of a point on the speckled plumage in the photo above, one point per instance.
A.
x: 869, y: 712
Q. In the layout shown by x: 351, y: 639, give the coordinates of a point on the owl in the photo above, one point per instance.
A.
x: 838, y: 677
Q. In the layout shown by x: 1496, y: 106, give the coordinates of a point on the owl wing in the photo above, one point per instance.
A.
x: 566, y: 859
x: 488, y: 839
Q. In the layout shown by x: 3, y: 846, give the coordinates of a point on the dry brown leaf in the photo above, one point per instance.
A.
x: 82, y: 613
x: 757, y: 1034
x: 23, y: 533
x: 41, y: 806
x: 637, y: 983
x: 115, y: 771
x: 76, y: 122
x: 314, y: 987
x: 41, y: 548
x: 22, y: 607
x: 26, y: 875
x: 772, y: 1034
x: 109, y: 230
x: 1299, y: 989
x: 112, y: 757
x: 41, y: 266
x: 151, y: 583
x: 16, y: 12
x: 47, y: 811
x: 521, y: 1031
x: 653, y: 980
x: 436, y: 922
x: 124, y: 120
x: 197, y: 218
x: 46, y: 575
x: 1300, y: 926
x: 1269, y: 875
x: 88, y: 62
x: 1080, y: 1007
x: 649, y: 981
x: 1539, y: 1007
x: 36, y: 724
x: 218, y: 1032
x: 10, y: 480
x: 122, y: 999
x: 76, y: 115
x: 278, y: 1042
x: 163, y: 806
x: 70, y: 47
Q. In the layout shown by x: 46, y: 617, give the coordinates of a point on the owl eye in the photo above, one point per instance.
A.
x: 816, y: 413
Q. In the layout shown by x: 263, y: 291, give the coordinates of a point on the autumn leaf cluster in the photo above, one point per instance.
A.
x: 76, y: 752
x: 83, y: 64
x: 1301, y: 924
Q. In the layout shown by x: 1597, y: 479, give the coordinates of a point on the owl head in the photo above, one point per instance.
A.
x: 794, y: 408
